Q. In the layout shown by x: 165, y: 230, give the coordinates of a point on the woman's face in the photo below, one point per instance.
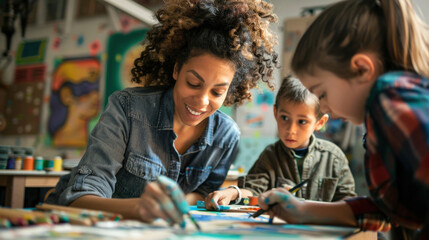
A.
x: 340, y: 98
x: 201, y: 87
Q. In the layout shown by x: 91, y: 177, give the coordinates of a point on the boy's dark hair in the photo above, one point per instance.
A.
x: 292, y: 90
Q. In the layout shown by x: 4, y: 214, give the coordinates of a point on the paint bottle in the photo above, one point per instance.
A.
x: 58, y: 163
x: 11, y: 163
x: 253, y: 201
x: 38, y: 163
x: 18, y: 163
x: 29, y: 163
x: 18, y: 152
x: 48, y: 165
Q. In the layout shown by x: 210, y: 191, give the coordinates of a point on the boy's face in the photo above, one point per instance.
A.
x: 296, y: 122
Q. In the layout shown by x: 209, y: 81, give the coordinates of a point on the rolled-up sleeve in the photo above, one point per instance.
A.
x: 367, y: 214
x: 96, y: 172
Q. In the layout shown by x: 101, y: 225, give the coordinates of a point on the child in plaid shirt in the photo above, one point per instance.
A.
x: 368, y: 62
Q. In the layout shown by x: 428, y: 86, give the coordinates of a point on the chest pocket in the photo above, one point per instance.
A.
x: 143, y: 167
x: 327, y: 188
x: 196, y: 176
x: 133, y: 177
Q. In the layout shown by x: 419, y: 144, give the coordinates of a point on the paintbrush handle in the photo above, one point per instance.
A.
x: 298, y: 186
x: 292, y: 190
x: 261, y: 211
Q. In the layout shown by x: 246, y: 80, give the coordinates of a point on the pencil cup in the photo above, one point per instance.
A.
x: 29, y: 163
x: 58, y: 163
x: 38, y: 163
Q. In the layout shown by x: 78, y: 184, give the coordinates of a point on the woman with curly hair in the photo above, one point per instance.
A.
x: 168, y: 135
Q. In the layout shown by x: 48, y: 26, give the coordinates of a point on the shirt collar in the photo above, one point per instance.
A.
x: 166, y: 117
x: 310, y: 146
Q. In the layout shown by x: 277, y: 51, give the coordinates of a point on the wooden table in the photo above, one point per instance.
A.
x: 16, y: 181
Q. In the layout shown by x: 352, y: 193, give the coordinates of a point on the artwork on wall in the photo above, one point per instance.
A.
x: 75, y: 100
x: 23, y: 108
x: 249, y: 150
x: 25, y: 97
x: 31, y: 51
x: 122, y: 50
x: 30, y: 73
x: 256, y: 118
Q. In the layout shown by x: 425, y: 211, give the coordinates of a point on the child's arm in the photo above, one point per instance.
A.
x: 294, y: 211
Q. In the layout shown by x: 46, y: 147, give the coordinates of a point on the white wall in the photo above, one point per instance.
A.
x: 293, y: 8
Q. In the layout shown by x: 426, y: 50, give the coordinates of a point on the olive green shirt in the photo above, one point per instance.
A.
x: 331, y: 179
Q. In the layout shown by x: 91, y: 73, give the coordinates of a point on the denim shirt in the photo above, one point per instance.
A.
x: 133, y: 143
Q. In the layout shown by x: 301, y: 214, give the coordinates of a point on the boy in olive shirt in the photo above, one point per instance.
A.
x: 297, y: 156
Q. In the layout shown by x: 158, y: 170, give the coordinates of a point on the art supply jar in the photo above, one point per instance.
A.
x: 11, y: 163
x: 48, y: 165
x: 38, y: 163
x: 58, y: 163
x: 18, y: 163
x: 29, y: 163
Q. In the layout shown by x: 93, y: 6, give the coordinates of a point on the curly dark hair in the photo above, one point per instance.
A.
x: 236, y: 30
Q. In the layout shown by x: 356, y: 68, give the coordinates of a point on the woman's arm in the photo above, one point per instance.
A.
x: 193, y: 197
x: 128, y: 208
x: 161, y: 199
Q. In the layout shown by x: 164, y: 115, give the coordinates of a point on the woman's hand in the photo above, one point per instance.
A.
x: 163, y: 199
x: 287, y: 207
x: 220, y: 197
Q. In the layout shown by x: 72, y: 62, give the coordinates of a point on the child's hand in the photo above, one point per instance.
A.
x: 163, y: 199
x: 220, y: 197
x: 288, y: 207
x: 287, y: 186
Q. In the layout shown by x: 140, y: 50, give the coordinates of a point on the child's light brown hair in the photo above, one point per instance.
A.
x: 390, y: 29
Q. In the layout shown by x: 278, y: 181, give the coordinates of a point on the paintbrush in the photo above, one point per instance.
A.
x: 292, y: 190
x: 176, y: 190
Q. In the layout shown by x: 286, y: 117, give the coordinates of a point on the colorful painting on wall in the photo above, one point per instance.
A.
x: 75, y: 100
x: 31, y: 51
x: 23, y: 108
x: 122, y: 50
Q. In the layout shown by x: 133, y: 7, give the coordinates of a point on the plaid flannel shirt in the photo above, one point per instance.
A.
x: 397, y: 155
